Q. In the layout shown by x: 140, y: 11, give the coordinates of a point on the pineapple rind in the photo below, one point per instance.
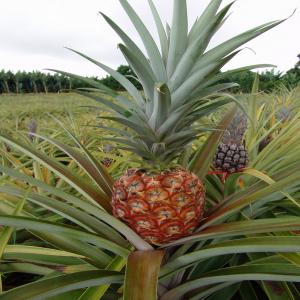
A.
x: 160, y: 207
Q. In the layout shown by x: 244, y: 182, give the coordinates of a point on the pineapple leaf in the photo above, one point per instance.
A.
x: 161, y: 106
x: 288, y: 178
x: 151, y: 48
x: 214, y: 89
x: 225, y: 74
x: 6, y: 233
x: 278, y: 272
x: 161, y: 32
x: 95, y: 293
x: 33, y: 224
x: 241, y: 228
x: 96, y: 84
x: 95, y: 256
x: 41, y: 255
x: 194, y: 50
x: 146, y: 78
x: 169, y: 125
x: 230, y: 45
x: 129, y: 142
x: 180, y: 96
x: 208, y: 108
x: 205, y: 18
x: 140, y: 130
x: 119, y: 77
x: 178, y: 38
x: 130, y: 45
x: 52, y: 286
x: 73, y: 214
x: 244, y: 245
x: 180, y: 135
x: 115, y: 107
x: 85, y: 188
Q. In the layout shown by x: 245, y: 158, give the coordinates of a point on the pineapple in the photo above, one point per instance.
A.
x: 160, y: 207
x: 231, y: 158
x: 181, y: 83
x: 231, y: 155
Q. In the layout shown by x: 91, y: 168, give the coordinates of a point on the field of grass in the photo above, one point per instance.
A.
x: 19, y: 109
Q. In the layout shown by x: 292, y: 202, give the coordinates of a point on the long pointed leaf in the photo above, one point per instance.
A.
x: 178, y: 38
x: 33, y: 224
x: 46, y: 288
x: 161, y: 32
x: 151, y: 48
x: 96, y: 196
x: 119, y: 77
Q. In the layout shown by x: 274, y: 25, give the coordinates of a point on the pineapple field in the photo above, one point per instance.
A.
x: 183, y: 190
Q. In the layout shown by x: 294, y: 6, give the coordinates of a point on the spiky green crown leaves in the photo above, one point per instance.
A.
x: 180, y: 80
x: 236, y: 130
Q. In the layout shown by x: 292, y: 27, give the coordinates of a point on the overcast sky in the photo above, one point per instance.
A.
x: 33, y: 33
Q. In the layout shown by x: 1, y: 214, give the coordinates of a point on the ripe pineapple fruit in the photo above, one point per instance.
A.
x: 159, y: 206
x: 231, y: 155
x: 180, y: 84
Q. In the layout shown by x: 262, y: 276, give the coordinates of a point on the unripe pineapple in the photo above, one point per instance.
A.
x: 231, y: 158
x: 231, y: 155
x: 165, y: 202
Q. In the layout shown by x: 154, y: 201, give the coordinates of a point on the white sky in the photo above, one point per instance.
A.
x: 33, y: 33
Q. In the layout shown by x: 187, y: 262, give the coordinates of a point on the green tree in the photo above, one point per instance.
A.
x: 4, y: 76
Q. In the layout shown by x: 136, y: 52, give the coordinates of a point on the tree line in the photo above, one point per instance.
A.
x: 38, y: 82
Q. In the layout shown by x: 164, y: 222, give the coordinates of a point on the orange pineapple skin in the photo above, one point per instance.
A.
x: 160, y: 207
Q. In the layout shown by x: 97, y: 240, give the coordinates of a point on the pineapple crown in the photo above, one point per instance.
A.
x: 180, y: 79
x: 236, y: 129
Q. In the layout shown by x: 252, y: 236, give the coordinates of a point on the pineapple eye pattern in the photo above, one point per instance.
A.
x: 160, y: 208
x: 164, y: 213
x: 172, y: 182
x: 156, y: 194
x: 231, y: 159
x: 181, y: 199
x: 138, y: 206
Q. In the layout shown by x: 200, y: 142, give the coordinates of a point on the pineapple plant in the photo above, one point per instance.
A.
x: 231, y: 155
x: 162, y: 201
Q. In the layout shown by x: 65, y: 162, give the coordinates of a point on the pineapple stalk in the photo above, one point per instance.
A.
x: 142, y: 267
